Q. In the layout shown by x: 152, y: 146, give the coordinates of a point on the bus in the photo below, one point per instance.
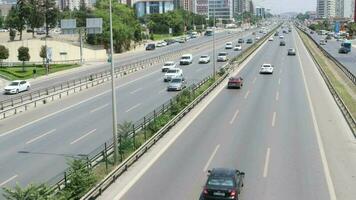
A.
x: 346, y: 44
x: 209, y: 32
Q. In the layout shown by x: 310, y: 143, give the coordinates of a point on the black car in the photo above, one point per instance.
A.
x: 249, y: 41
x: 343, y: 50
x: 223, y: 184
x: 150, y: 47
x: 241, y: 41
x: 282, y: 43
x: 276, y: 33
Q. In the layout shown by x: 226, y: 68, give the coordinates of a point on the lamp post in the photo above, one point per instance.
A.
x: 214, y: 26
x: 114, y: 115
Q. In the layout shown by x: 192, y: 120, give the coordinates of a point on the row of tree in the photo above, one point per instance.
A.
x: 32, y: 14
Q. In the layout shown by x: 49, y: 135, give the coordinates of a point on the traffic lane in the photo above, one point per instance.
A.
x: 42, y: 151
x: 335, y: 134
x: 201, y: 138
x: 242, y: 146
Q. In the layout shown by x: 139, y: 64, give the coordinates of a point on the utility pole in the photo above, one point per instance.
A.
x: 214, y: 61
x: 114, y: 115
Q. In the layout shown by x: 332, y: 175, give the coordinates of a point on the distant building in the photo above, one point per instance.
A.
x: 221, y: 9
x: 144, y: 7
x: 260, y: 12
x: 202, y: 7
x: 312, y: 14
x: 73, y: 4
x: 325, y: 8
x: 188, y: 5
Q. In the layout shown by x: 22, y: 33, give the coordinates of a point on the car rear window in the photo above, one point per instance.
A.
x: 203, y: 56
x: 222, y: 54
x: 168, y: 64
x: 266, y: 65
x: 221, y: 182
x: 176, y: 80
x: 186, y: 57
x: 172, y: 71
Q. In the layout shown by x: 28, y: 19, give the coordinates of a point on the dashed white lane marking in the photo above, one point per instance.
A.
x: 277, y: 96
x: 247, y: 93
x: 99, y: 108
x: 211, y: 158
x: 135, y: 91
x: 279, y: 81
x: 234, y: 117
x: 8, y: 180
x: 40, y: 136
x: 254, y: 80
x: 133, y: 107
x: 160, y: 92
x: 265, y: 169
x: 82, y: 137
x: 274, y: 119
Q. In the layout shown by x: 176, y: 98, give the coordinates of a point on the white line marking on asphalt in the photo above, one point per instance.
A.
x: 204, y: 103
x: 277, y: 96
x: 279, y: 81
x: 133, y: 92
x: 329, y: 181
x: 254, y: 80
x: 265, y: 169
x: 39, y: 137
x: 280, y: 71
x: 274, y: 119
x: 211, y: 158
x: 99, y: 108
x: 160, y: 92
x: 72, y: 106
x: 8, y: 180
x: 247, y: 93
x: 133, y: 107
x: 234, y: 117
x: 77, y: 140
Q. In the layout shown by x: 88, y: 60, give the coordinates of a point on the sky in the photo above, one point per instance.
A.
x: 281, y: 6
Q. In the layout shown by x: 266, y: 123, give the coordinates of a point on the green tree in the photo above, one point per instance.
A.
x: 23, y: 55
x: 4, y: 53
x: 43, y: 54
x: 35, y: 15
x: 51, y: 14
x: 31, y: 192
x: 14, y: 20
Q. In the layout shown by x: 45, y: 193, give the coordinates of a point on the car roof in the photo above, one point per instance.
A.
x: 17, y: 80
x: 222, y: 172
x: 186, y: 55
x: 169, y: 62
x: 266, y: 64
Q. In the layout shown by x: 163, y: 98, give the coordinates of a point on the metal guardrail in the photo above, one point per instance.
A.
x: 346, y: 71
x: 112, y: 176
x: 34, y: 97
x: 342, y: 106
x: 11, y: 64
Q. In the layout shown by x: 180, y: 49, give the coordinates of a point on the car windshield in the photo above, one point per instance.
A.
x: 176, y: 80
x: 172, y: 71
x: 204, y: 56
x: 221, y: 182
x: 185, y: 57
x: 14, y: 83
x: 290, y: 49
x: 266, y: 66
x: 222, y: 54
x: 168, y: 64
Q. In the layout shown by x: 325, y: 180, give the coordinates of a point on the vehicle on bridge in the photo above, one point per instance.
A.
x: 168, y: 65
x: 176, y: 84
x: 17, y: 86
x: 235, y: 82
x: 282, y: 43
x: 150, y: 47
x: 291, y: 52
x: 204, y: 59
x: 346, y: 46
x: 266, y: 69
x: 223, y: 184
x: 228, y: 45
x: 186, y: 59
x: 238, y: 47
x: 172, y: 73
x: 222, y: 57
x: 209, y: 32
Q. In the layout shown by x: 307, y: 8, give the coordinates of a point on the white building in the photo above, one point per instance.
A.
x: 325, y: 8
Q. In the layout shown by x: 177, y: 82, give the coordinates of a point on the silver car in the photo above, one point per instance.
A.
x: 176, y: 84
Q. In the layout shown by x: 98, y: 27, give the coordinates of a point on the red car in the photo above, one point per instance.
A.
x: 235, y: 82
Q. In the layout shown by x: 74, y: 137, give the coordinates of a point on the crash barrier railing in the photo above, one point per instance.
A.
x: 344, y: 69
x: 12, y: 106
x: 11, y: 64
x: 124, y: 165
x: 342, y: 106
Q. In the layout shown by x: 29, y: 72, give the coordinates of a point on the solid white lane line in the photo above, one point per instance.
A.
x: 329, y: 181
x: 72, y: 106
x: 160, y: 92
x: 99, y: 108
x: 279, y: 81
x: 254, y: 80
x: 247, y: 93
x: 274, y: 119
x: 265, y: 169
x: 8, y: 180
x: 39, y: 137
x: 211, y: 158
x: 77, y: 140
x: 234, y: 117
x: 133, y: 107
x: 133, y: 92
x: 277, y: 96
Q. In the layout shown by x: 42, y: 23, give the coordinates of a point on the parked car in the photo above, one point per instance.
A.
x: 150, y: 47
x: 172, y: 73
x: 228, y: 45
x: 282, y: 43
x: 2, y: 30
x: 223, y: 184
x: 204, y: 59
x: 17, y: 86
x: 186, y: 59
x: 291, y: 52
x: 176, y: 84
x: 222, y: 57
x: 249, y: 41
x: 238, y: 47
x: 168, y: 65
x: 235, y: 82
x: 40, y: 32
x: 266, y: 69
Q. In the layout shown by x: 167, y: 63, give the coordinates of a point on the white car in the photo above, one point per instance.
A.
x: 281, y: 37
x: 168, y: 65
x: 258, y: 37
x: 222, y: 57
x: 238, y: 47
x: 270, y: 39
x: 17, y: 86
x: 176, y: 84
x: 266, y: 69
x: 186, y: 59
x: 172, y: 73
x: 228, y: 45
x: 204, y: 59
x: 161, y: 44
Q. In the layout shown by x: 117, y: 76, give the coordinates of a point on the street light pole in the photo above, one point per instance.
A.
x: 214, y: 61
x: 114, y: 115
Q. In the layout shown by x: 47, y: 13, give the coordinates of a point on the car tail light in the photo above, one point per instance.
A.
x: 232, y: 193
x: 205, y: 191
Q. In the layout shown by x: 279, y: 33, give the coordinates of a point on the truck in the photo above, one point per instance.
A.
x: 346, y: 47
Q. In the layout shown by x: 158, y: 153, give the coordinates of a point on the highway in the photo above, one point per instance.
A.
x: 40, y: 141
x: 120, y: 60
x: 283, y: 130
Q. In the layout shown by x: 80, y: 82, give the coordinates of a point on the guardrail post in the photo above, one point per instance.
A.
x: 120, y: 147
x: 106, y: 157
x: 12, y: 102
x: 21, y: 99
x: 65, y: 178
x: 134, y: 136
